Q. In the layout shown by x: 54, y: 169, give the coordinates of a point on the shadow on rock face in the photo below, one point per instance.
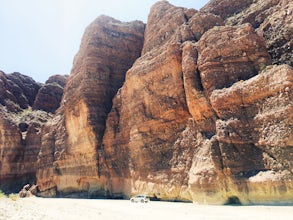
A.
x: 233, y: 200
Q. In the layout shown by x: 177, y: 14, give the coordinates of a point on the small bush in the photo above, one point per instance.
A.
x: 2, y: 194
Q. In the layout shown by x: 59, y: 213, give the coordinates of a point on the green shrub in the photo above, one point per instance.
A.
x: 2, y: 194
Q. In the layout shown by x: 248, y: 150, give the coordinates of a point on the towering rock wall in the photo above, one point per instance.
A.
x: 11, y: 150
x: 201, y: 116
x: 173, y: 148
x: 21, y: 126
x: 108, y: 49
x: 20, y: 131
x: 188, y: 108
x: 150, y: 111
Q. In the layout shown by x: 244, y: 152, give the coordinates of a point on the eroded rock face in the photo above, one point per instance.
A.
x: 17, y: 91
x: 272, y: 19
x: 254, y: 131
x: 108, y: 49
x: 20, y: 138
x: 277, y: 29
x: 58, y: 79
x: 10, y: 151
x: 179, y: 127
x: 226, y: 8
x: 49, y: 95
x: 20, y: 130
x: 230, y: 54
x: 201, y: 115
x: 159, y: 29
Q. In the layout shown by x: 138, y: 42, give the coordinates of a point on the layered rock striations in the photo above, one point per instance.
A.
x: 108, y: 49
x: 200, y: 116
x: 23, y: 113
x: 150, y: 111
x: 17, y: 91
x: 188, y: 107
x: 49, y: 95
x: 20, y: 131
x: 255, y: 135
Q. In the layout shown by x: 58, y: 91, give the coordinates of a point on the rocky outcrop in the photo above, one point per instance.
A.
x: 108, y: 49
x: 49, y: 95
x: 58, y: 79
x: 272, y: 19
x: 238, y: 55
x: 188, y: 108
x: 277, y: 29
x: 17, y: 91
x: 150, y: 111
x: 20, y: 135
x: 159, y: 29
x: 254, y: 131
x: 168, y: 133
x: 226, y: 8
x: 20, y: 130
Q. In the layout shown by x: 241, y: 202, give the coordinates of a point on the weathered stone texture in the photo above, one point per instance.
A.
x: 20, y: 136
x: 17, y: 91
x: 49, y: 95
x: 230, y: 54
x: 20, y: 129
x: 273, y: 21
x: 226, y: 8
x: 188, y: 109
x: 108, y: 49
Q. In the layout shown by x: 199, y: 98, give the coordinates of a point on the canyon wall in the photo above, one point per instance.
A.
x: 73, y: 141
x: 193, y: 106
x: 21, y: 125
x: 168, y: 125
x: 21, y: 128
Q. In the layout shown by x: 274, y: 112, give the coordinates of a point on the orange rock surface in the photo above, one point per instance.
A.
x: 188, y: 107
x: 108, y: 49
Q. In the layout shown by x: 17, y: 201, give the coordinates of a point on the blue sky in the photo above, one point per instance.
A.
x: 40, y: 38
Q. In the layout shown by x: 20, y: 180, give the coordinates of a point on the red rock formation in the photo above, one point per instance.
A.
x: 150, y: 111
x: 10, y: 151
x: 17, y: 91
x: 49, y: 95
x: 199, y: 116
x: 255, y: 135
x: 225, y: 8
x: 238, y: 55
x: 109, y: 47
x: 20, y: 131
x: 159, y: 29
x: 20, y: 136
x: 278, y: 32
x: 272, y: 18
x: 58, y: 79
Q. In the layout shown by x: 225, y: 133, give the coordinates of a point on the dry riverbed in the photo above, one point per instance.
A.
x: 71, y: 209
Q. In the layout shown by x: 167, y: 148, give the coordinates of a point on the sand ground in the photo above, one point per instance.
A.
x: 71, y: 209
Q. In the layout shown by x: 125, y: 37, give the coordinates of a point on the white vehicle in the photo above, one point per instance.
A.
x: 140, y: 198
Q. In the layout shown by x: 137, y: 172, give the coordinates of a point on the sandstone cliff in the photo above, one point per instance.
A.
x: 172, y: 148
x: 20, y: 129
x: 194, y: 106
x: 72, y: 142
